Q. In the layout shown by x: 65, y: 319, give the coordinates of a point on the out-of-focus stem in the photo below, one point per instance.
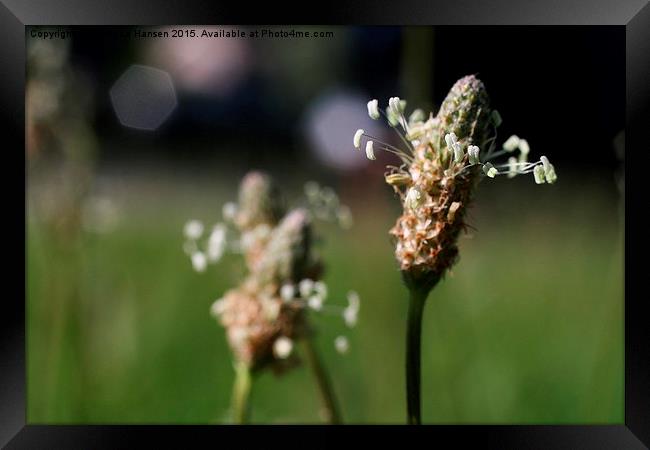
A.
x: 329, y: 404
x: 241, y: 394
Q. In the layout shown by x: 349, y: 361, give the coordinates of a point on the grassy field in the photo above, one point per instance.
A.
x: 527, y: 329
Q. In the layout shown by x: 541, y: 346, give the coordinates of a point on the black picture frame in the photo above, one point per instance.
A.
x: 633, y: 15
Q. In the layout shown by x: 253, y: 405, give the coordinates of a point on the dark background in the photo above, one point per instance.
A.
x: 560, y: 87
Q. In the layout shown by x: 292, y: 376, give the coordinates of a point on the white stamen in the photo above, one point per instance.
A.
x: 450, y: 139
x: 342, y: 345
x: 282, y: 347
x: 490, y: 170
x: 350, y: 317
x: 549, y: 170
x: 395, y: 105
x: 551, y: 176
x: 545, y: 163
x: 306, y: 287
x: 538, y: 173
x: 217, y: 242
x: 473, y: 152
x: 370, y: 152
x: 511, y: 144
x: 351, y: 312
x: 193, y: 229
x: 373, y: 109
x: 315, y: 302
x: 229, y: 211
x: 218, y: 307
x: 458, y: 152
x: 199, y: 261
x: 287, y: 292
x: 512, y: 167
x: 357, y: 138
x: 524, y: 148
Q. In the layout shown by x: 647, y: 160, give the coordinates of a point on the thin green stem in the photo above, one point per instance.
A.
x: 241, y: 394
x: 413, y: 337
x: 328, y: 399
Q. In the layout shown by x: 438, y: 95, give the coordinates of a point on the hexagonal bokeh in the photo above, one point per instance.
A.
x: 143, y: 97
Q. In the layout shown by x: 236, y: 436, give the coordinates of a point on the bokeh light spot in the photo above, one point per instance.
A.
x: 330, y: 123
x: 143, y: 97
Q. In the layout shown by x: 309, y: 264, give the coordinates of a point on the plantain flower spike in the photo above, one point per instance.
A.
x: 278, y: 251
x: 261, y: 316
x: 440, y: 171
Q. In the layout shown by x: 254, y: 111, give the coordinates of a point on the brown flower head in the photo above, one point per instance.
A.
x: 255, y: 317
x: 267, y: 312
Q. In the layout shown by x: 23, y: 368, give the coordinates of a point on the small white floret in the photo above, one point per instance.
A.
x: 282, y: 347
x: 306, y: 287
x: 414, y: 198
x: 229, y: 211
x: 342, y: 345
x: 193, y: 229
x: 315, y: 302
x: 218, y: 307
x: 287, y: 292
x: 217, y: 243
x: 199, y: 261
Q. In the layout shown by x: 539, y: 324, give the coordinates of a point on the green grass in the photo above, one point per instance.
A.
x: 527, y: 329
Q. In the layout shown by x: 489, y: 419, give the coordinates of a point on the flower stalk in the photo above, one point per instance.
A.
x: 419, y: 290
x: 329, y: 405
x: 241, y: 394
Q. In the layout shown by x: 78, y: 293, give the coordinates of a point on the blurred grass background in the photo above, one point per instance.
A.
x: 527, y: 329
